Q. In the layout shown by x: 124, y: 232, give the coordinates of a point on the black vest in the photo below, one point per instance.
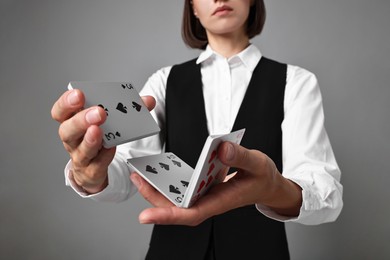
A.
x: 243, y: 233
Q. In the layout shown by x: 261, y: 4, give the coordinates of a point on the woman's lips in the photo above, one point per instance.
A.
x: 223, y: 10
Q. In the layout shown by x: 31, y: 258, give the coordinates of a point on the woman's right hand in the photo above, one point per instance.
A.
x: 81, y: 135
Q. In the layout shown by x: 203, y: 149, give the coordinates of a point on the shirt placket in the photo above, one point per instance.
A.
x: 225, y: 98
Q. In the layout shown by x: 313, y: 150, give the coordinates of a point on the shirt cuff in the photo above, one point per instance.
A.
x: 317, y: 207
x: 119, y: 186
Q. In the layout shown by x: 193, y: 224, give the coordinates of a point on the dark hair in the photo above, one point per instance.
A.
x: 194, y: 34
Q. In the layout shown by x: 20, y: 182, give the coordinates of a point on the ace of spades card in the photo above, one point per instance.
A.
x: 178, y: 181
x: 128, y: 118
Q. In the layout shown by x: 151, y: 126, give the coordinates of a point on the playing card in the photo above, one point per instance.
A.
x: 166, y: 172
x: 175, y: 179
x: 128, y: 118
x: 208, y: 166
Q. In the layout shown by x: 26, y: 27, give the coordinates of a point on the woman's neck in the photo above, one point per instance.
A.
x: 228, y: 45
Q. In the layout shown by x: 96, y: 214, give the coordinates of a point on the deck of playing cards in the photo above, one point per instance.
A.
x: 128, y: 118
x: 175, y: 179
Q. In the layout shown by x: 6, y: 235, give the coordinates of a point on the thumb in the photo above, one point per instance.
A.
x: 149, y: 101
x: 234, y: 155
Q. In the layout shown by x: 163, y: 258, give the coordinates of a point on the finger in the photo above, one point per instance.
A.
x: 234, y: 155
x: 149, y: 101
x: 220, y: 199
x: 89, y: 147
x: 68, y: 104
x: 152, y: 195
x: 170, y: 216
x: 72, y: 130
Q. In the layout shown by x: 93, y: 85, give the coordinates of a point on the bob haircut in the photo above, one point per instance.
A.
x: 194, y: 35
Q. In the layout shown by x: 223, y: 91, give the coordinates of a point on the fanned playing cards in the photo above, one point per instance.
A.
x: 175, y: 179
x: 128, y: 118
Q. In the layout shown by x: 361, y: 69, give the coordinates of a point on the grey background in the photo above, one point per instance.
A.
x: 45, y: 44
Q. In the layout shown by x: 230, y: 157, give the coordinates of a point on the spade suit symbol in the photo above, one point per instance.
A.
x: 176, y: 163
x: 165, y: 166
x: 185, y: 183
x: 105, y: 109
x: 151, y: 169
x: 136, y: 106
x: 121, y: 108
x: 174, y: 189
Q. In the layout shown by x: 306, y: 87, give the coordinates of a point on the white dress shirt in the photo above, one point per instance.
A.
x: 308, y: 159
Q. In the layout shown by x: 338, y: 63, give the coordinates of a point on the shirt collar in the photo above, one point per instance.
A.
x: 250, y: 56
x: 205, y: 55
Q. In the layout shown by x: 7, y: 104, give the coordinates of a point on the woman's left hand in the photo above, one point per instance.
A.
x: 257, y: 181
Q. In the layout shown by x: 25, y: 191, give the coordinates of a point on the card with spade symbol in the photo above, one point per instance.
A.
x: 166, y: 173
x: 178, y: 181
x: 128, y: 118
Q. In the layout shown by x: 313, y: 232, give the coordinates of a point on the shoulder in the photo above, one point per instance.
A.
x: 300, y: 80
x: 163, y: 73
x: 180, y: 73
x: 156, y: 83
x: 296, y: 74
x: 181, y: 67
x: 301, y: 84
x: 186, y: 63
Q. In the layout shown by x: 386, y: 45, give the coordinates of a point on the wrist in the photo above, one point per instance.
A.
x: 87, y: 189
x: 95, y: 189
x: 283, y: 195
x: 289, y: 198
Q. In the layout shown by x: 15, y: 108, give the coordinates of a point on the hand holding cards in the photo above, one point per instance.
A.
x: 127, y: 117
x: 175, y: 179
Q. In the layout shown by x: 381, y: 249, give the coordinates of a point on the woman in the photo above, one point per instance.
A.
x: 285, y: 167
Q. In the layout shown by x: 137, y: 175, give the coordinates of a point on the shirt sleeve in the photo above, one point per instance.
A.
x: 308, y: 158
x: 119, y: 186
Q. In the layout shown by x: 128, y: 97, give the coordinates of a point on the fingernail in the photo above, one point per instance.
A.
x: 144, y: 218
x: 135, y: 180
x: 93, y: 116
x: 73, y: 98
x: 229, y: 152
x: 145, y: 221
